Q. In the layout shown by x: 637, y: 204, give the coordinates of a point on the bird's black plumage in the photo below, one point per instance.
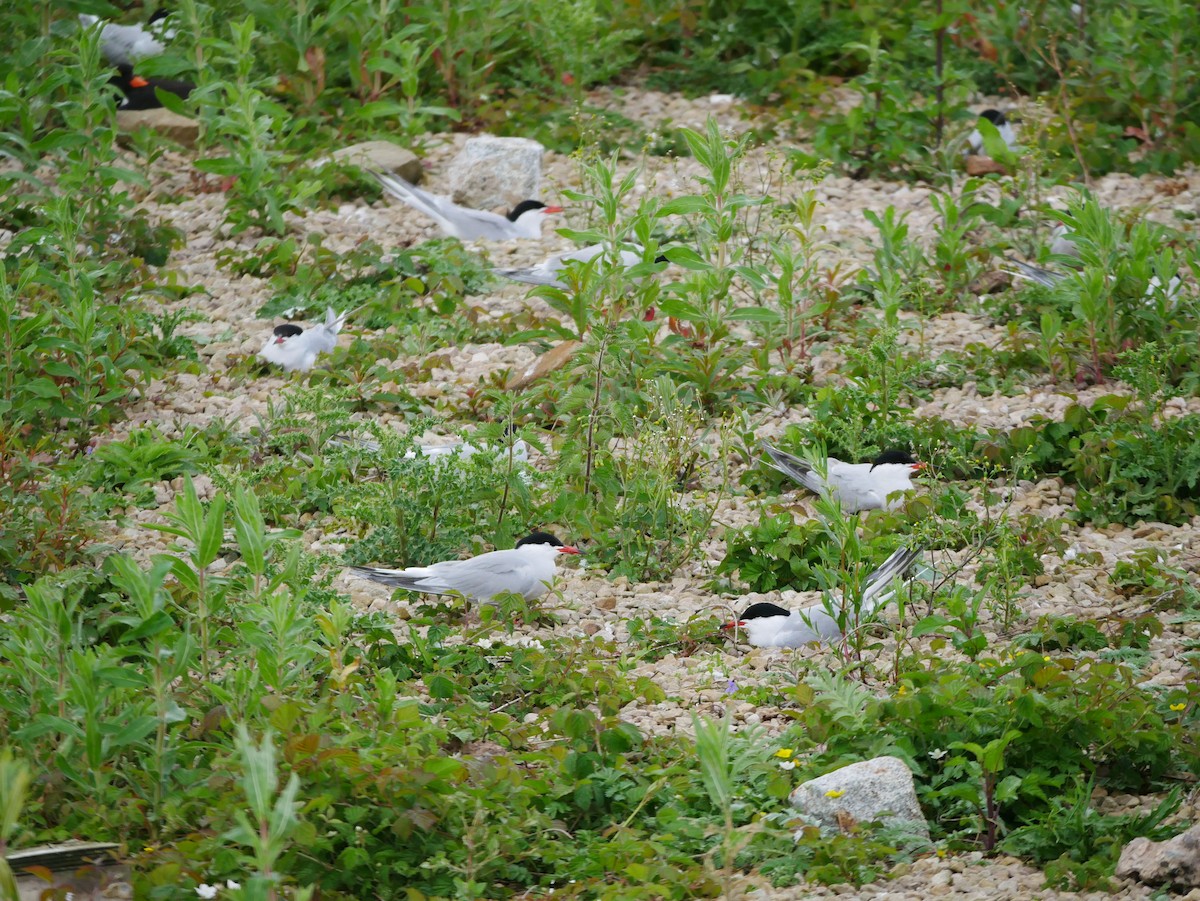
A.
x: 139, y: 91
x: 288, y: 330
x: 762, y: 610
x: 893, y: 455
x: 539, y: 538
x: 524, y: 207
x: 994, y: 116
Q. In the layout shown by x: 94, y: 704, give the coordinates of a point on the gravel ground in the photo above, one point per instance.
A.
x: 592, y: 604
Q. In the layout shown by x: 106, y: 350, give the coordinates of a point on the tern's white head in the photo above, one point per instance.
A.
x: 761, y: 623
x: 895, y: 462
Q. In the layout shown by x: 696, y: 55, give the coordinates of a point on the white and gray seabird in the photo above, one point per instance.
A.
x: 771, y: 626
x: 525, y: 220
x: 295, y: 348
x: 527, y: 570
x: 1049, y: 278
x: 124, y: 45
x: 975, y: 143
x: 878, y: 485
x: 548, y: 271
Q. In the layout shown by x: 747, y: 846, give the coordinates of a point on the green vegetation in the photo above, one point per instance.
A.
x: 216, y: 703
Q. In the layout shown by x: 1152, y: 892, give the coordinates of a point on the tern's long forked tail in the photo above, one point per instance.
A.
x: 788, y: 464
x: 532, y: 275
x: 399, y: 578
x: 1046, y: 277
x: 402, y: 190
x: 875, y: 594
x: 795, y: 468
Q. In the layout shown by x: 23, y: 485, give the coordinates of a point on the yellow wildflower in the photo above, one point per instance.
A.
x: 784, y: 753
x: 1177, y: 707
x: 834, y: 793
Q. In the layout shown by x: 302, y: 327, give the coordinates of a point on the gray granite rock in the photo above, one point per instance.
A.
x: 1175, y: 861
x: 878, y: 789
x: 495, y: 172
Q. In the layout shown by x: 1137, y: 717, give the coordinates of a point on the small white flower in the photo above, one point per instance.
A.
x: 484, y: 643
x: 787, y: 764
x: 206, y: 891
x: 231, y: 885
x: 938, y: 753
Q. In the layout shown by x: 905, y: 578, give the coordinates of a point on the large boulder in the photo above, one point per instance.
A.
x: 873, y: 790
x: 385, y: 157
x: 1175, y: 861
x: 495, y: 172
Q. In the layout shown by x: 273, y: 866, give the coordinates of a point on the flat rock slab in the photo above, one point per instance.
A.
x: 171, y: 125
x: 553, y: 359
x: 384, y: 156
x: 1175, y: 861
x: 984, y: 165
x: 493, y: 172
x: 880, y: 789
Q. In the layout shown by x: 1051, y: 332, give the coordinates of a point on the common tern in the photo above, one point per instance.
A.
x: 526, y: 569
x: 975, y: 143
x: 877, y: 485
x: 462, y: 450
x: 548, y: 271
x: 124, y: 45
x: 295, y: 348
x: 1049, y: 278
x: 771, y: 626
x: 139, y: 92
x: 525, y: 220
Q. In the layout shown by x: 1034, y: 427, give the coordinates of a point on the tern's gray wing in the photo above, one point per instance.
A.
x: 547, y: 271
x: 463, y: 223
x: 488, y: 575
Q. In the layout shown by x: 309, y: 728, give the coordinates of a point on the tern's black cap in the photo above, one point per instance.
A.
x: 539, y: 538
x: 761, y: 611
x: 521, y: 209
x: 893, y: 455
x: 288, y: 330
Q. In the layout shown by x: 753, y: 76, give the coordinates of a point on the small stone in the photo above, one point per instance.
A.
x: 591, y: 628
x: 983, y: 165
x: 161, y: 121
x: 990, y: 283
x: 382, y: 155
x: 608, y: 603
x: 553, y: 359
